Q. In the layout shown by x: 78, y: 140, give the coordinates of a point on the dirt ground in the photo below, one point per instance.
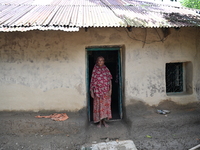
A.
x: 179, y: 130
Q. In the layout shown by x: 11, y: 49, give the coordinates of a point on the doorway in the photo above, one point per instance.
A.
x: 112, y: 57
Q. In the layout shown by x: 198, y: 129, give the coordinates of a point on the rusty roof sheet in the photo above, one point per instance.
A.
x: 70, y: 15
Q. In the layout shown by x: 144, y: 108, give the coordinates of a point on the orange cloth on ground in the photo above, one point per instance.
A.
x: 55, y: 117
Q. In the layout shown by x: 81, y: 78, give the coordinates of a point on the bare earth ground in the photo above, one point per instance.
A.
x: 179, y: 130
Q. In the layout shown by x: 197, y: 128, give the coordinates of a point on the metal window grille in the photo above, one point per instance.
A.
x: 174, y: 77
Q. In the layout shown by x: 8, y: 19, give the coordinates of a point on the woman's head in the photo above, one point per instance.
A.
x: 100, y: 61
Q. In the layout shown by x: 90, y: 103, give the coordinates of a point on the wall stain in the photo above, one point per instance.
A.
x: 115, y: 37
x: 79, y: 89
x: 198, y: 89
x: 154, y: 87
x: 99, y: 37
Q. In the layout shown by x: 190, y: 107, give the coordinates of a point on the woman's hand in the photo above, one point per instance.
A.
x: 92, y: 93
x: 110, y: 93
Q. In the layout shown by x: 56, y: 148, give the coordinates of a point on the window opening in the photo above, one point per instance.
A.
x: 174, y: 77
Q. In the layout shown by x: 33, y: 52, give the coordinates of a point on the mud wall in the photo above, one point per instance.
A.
x: 46, y: 70
x: 42, y: 71
x: 197, y: 64
x: 145, y: 67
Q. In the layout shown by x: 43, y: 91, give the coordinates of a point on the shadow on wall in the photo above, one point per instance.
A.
x: 198, y: 89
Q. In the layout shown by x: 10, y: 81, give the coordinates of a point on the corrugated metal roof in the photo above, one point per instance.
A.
x: 70, y: 15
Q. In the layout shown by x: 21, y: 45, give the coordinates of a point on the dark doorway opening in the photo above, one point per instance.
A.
x: 112, y: 61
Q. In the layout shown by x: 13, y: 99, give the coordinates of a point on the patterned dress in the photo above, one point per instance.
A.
x: 100, y: 84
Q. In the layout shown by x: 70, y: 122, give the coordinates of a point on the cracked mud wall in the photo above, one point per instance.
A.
x: 41, y: 71
x: 145, y: 77
x: 197, y: 60
x: 46, y: 70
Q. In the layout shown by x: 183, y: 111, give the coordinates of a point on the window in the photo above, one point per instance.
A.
x: 174, y: 77
x: 178, y: 78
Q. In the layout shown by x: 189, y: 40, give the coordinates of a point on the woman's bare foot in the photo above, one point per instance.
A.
x: 99, y: 124
x: 104, y: 123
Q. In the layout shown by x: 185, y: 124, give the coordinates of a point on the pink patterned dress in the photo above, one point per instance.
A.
x: 100, y: 84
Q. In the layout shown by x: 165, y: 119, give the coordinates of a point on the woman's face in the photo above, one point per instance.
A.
x: 100, y: 61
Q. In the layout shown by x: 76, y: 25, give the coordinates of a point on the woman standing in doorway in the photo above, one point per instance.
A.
x: 101, y: 90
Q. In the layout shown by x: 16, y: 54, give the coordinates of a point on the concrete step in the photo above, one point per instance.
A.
x: 111, y: 145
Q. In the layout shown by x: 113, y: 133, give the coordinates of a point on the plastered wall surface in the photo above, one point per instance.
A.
x: 46, y: 70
